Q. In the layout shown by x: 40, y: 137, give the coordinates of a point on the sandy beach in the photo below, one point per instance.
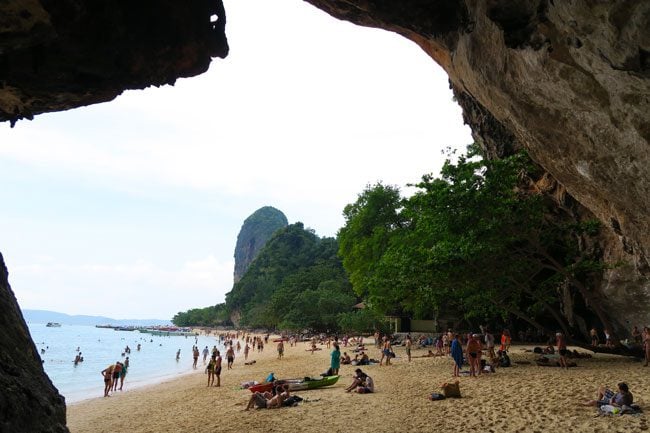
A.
x: 523, y: 398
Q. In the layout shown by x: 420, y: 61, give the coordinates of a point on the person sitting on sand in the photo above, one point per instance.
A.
x: 267, y: 400
x: 606, y: 396
x: 345, y: 359
x: 367, y: 386
x: 359, y: 378
x: 364, y: 360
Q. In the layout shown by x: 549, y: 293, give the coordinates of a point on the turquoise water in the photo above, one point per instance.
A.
x: 155, y: 362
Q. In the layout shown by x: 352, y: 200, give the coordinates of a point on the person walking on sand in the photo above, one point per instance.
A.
x: 211, y: 369
x: 560, y: 340
x: 385, y: 351
x: 408, y: 345
x: 456, y: 352
x: 335, y: 359
x: 489, y: 343
x: 505, y: 340
x: 108, y: 379
x: 230, y: 356
x: 217, y: 368
x: 594, y: 337
x: 280, y: 349
x: 246, y: 349
x: 206, y: 352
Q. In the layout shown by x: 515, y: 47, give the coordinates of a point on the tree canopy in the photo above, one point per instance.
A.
x: 474, y: 242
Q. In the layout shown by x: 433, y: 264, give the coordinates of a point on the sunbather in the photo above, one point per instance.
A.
x: 607, y: 396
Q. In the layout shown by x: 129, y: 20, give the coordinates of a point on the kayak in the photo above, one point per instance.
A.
x: 297, y: 384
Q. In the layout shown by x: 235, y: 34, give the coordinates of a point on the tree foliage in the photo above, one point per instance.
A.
x: 475, y: 241
x: 297, y: 282
x: 208, y: 316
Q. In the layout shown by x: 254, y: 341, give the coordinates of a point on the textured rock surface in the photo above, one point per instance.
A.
x: 59, y: 54
x: 256, y: 230
x: 567, y: 80
x: 28, y: 400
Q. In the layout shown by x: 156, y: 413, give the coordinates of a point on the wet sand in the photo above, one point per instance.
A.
x: 523, y: 398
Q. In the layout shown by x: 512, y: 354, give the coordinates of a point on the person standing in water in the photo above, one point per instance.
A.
x: 195, y: 355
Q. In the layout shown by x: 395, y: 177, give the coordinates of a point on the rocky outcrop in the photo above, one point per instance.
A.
x: 59, y: 54
x: 28, y: 401
x: 567, y: 80
x: 255, y: 232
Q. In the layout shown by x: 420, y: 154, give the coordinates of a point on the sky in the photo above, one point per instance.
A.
x: 131, y: 209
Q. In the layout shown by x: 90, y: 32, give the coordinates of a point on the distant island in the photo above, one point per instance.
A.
x: 44, y: 316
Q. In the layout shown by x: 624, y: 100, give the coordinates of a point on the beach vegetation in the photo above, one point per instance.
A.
x: 477, y: 242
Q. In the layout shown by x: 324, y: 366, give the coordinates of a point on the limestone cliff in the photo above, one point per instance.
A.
x: 256, y: 230
x: 567, y: 80
x: 28, y: 401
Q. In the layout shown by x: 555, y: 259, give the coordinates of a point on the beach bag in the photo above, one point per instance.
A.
x: 451, y: 390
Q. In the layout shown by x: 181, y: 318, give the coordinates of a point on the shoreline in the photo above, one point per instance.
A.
x: 523, y: 398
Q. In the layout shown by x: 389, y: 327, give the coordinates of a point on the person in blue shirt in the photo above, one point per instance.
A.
x: 335, y: 363
x: 456, y: 352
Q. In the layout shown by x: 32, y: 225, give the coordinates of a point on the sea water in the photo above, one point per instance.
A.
x: 101, y: 347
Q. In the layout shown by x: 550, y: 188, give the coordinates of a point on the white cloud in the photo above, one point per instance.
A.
x: 304, y: 112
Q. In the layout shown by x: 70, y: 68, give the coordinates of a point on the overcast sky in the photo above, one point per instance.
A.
x: 131, y: 209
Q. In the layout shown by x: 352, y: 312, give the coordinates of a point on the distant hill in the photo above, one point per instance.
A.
x: 255, y: 232
x: 44, y: 316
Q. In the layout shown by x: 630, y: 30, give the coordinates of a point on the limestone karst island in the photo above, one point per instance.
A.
x: 506, y: 289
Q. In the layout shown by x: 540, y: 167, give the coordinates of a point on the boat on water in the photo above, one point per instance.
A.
x: 297, y: 384
x: 168, y: 331
x: 53, y: 325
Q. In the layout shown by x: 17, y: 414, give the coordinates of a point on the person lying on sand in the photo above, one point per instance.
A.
x: 430, y: 354
x: 607, y: 396
x: 267, y: 400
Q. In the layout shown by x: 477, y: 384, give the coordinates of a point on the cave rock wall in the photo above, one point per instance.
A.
x: 60, y: 54
x: 28, y: 401
x: 569, y: 81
